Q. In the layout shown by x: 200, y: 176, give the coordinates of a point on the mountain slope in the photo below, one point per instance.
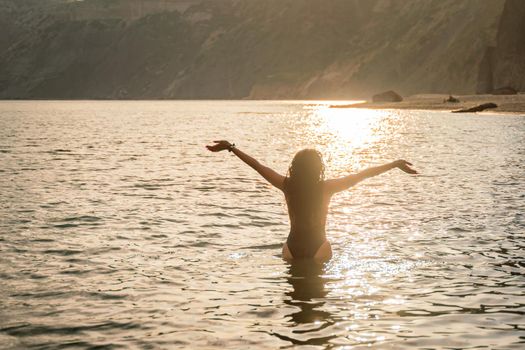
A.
x: 251, y: 49
x: 509, y: 60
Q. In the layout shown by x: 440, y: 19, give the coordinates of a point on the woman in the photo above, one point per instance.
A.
x: 308, y: 195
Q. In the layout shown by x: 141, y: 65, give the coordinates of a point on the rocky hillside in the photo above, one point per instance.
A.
x: 504, y: 64
x: 257, y: 48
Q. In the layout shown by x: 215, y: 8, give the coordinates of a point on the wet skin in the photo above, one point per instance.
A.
x: 329, y: 188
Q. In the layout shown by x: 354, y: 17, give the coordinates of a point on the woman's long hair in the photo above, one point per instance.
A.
x: 303, y: 183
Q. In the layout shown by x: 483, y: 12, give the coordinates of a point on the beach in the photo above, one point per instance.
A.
x: 506, y: 103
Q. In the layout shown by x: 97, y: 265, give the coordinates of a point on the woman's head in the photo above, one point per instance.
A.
x: 307, y: 167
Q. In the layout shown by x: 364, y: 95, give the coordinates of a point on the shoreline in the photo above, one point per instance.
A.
x: 508, y: 104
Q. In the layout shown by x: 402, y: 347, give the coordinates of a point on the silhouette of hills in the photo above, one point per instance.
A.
x: 207, y: 49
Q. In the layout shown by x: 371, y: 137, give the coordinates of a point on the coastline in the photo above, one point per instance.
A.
x: 513, y: 104
x: 507, y: 104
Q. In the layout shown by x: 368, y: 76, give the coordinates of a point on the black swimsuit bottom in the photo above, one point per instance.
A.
x: 305, y: 244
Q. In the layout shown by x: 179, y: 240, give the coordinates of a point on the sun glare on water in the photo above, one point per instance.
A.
x: 345, y: 135
x: 350, y: 140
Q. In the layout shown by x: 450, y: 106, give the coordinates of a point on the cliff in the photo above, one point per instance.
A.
x: 256, y: 49
x: 503, y: 64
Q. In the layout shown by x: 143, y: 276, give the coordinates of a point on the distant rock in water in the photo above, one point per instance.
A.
x: 507, y: 90
x: 387, y: 96
x: 478, y: 108
x: 451, y: 99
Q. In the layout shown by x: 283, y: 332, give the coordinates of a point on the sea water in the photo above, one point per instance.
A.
x: 118, y: 229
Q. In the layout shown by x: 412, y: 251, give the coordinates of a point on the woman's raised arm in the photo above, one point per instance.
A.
x: 344, y: 183
x: 269, y: 174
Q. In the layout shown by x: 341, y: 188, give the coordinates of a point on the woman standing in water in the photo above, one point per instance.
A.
x: 308, y: 195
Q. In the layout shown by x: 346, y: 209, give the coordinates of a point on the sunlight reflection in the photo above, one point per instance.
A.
x: 351, y: 126
x: 343, y: 133
x: 351, y: 139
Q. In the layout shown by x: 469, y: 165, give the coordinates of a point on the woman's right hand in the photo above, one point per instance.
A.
x: 405, y: 166
x: 219, y: 146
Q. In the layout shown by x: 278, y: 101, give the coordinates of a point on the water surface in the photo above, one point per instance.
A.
x: 118, y: 229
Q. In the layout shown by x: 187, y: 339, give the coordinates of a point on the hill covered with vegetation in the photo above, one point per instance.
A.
x: 191, y: 49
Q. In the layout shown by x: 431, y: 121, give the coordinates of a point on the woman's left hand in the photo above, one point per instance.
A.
x: 219, y: 146
x: 405, y: 166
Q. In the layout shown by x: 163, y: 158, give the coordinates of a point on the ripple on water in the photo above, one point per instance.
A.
x: 119, y: 233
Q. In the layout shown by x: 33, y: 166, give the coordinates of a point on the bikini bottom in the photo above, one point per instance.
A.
x: 304, y: 246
